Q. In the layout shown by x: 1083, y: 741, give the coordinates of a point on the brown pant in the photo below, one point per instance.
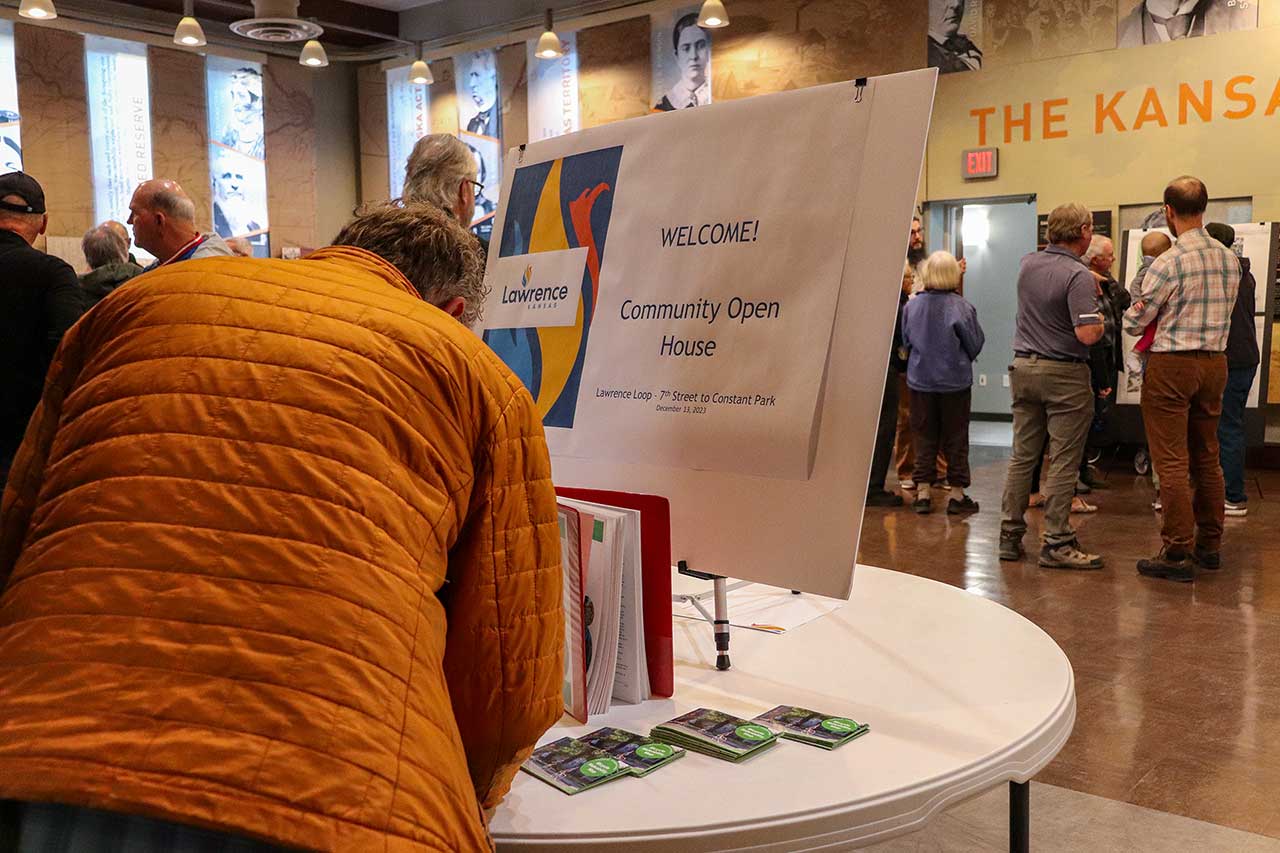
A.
x: 940, y: 425
x: 904, y: 450
x: 1181, y: 402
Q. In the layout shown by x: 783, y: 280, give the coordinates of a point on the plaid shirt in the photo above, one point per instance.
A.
x: 1189, y: 291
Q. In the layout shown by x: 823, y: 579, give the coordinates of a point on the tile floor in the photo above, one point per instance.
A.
x: 1178, y: 685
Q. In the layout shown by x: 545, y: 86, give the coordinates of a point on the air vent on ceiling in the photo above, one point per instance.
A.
x: 278, y: 21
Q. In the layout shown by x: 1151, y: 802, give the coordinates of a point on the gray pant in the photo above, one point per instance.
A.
x: 1052, y: 398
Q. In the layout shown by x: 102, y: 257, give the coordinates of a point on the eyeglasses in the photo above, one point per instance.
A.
x: 479, y: 186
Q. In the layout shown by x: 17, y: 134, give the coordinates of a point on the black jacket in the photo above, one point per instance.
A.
x: 1242, y: 339
x: 1107, y: 355
x: 105, y: 279
x: 39, y: 300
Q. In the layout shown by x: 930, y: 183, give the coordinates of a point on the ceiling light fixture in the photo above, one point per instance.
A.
x: 420, y: 72
x: 189, y: 32
x: 313, y: 55
x: 549, y: 43
x: 713, y: 15
x: 40, y: 10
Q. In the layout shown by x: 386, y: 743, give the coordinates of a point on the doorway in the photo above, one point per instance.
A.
x: 992, y: 235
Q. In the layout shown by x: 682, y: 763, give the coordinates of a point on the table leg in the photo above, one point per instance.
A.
x: 1019, y: 817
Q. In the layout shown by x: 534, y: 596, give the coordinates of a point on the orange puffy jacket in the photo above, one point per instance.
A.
x: 280, y: 558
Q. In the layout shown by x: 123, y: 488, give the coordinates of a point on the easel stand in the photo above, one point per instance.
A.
x: 720, y: 620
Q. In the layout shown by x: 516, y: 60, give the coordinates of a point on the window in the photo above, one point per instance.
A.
x: 408, y: 120
x: 119, y: 123
x: 237, y: 150
x: 10, y: 137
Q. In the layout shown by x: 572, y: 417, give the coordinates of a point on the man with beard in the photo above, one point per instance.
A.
x: 231, y: 214
x: 949, y: 50
x: 245, y: 133
x: 692, y: 46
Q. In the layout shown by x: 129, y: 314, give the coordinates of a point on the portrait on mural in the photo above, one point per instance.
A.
x: 479, y: 107
x: 236, y: 182
x: 681, y: 52
x: 237, y: 150
x: 1156, y: 21
x: 955, y: 28
x: 237, y: 120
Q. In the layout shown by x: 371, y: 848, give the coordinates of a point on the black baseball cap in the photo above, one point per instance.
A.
x: 25, y: 187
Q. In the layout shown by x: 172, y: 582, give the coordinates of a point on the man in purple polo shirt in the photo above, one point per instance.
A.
x: 1057, y: 322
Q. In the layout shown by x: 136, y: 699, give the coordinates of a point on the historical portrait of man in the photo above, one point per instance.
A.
x: 691, y: 70
x: 949, y: 49
x: 238, y: 194
x: 1157, y: 21
x: 479, y: 107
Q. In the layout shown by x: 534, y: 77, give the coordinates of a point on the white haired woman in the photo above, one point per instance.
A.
x: 941, y: 333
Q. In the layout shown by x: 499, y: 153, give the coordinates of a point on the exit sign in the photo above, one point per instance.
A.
x: 980, y: 163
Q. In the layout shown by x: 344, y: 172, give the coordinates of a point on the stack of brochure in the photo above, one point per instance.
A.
x: 641, y: 754
x: 717, y: 734
x: 805, y: 726
x: 616, y: 555
x: 572, y: 765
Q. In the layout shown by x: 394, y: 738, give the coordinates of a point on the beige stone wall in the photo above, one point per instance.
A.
x: 291, y: 153
x: 179, y: 131
x: 55, y: 124
x: 375, y: 181
x: 613, y: 72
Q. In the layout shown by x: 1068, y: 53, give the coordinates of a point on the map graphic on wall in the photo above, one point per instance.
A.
x: 559, y: 205
x: 955, y: 35
x: 480, y: 127
x: 1145, y: 22
x: 237, y: 150
x: 680, y: 53
x: 10, y: 123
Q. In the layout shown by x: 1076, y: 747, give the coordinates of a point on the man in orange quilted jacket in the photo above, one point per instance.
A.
x: 279, y: 560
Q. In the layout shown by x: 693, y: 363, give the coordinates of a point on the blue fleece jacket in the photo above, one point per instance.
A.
x: 940, y: 330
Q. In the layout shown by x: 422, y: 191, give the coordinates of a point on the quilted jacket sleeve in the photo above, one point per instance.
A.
x: 503, y: 658
x: 26, y: 475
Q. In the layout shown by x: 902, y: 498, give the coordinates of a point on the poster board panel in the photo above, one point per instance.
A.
x: 799, y: 533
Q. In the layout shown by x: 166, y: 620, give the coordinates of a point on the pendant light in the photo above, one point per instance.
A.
x: 420, y: 72
x: 549, y: 42
x: 313, y: 55
x: 713, y: 15
x: 40, y: 10
x: 189, y: 32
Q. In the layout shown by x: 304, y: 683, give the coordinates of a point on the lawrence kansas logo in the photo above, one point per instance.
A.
x: 535, y: 298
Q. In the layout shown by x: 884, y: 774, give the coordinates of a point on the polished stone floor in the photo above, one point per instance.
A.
x: 1178, y: 685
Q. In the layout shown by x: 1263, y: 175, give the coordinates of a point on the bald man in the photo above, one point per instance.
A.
x: 164, y: 223
x: 123, y: 233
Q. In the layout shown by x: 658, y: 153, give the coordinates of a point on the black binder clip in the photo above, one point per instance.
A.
x: 520, y: 159
x: 861, y: 85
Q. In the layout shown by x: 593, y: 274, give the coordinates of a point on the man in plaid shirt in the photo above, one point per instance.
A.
x: 1189, y: 293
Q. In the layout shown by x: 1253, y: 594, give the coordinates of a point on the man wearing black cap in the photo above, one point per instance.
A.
x: 39, y: 300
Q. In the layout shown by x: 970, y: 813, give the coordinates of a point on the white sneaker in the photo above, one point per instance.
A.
x: 1236, y: 510
x: 1156, y: 505
x: 907, y: 485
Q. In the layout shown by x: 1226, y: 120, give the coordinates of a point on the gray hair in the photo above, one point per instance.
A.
x: 941, y: 272
x: 174, y: 205
x: 102, y: 246
x: 438, y: 257
x: 1095, y: 247
x: 438, y: 163
x: 1065, y: 222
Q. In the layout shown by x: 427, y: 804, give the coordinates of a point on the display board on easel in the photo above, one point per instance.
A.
x: 702, y: 303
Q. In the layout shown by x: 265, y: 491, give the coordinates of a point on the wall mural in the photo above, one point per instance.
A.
x: 408, y: 120
x: 10, y: 123
x: 119, y: 124
x: 955, y: 35
x: 553, y: 90
x: 480, y: 123
x: 237, y: 150
x: 1157, y: 21
x: 681, y: 56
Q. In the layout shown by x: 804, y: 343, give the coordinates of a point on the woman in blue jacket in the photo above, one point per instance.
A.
x: 941, y: 333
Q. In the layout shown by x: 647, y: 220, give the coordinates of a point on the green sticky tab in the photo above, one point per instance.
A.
x: 598, y: 532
